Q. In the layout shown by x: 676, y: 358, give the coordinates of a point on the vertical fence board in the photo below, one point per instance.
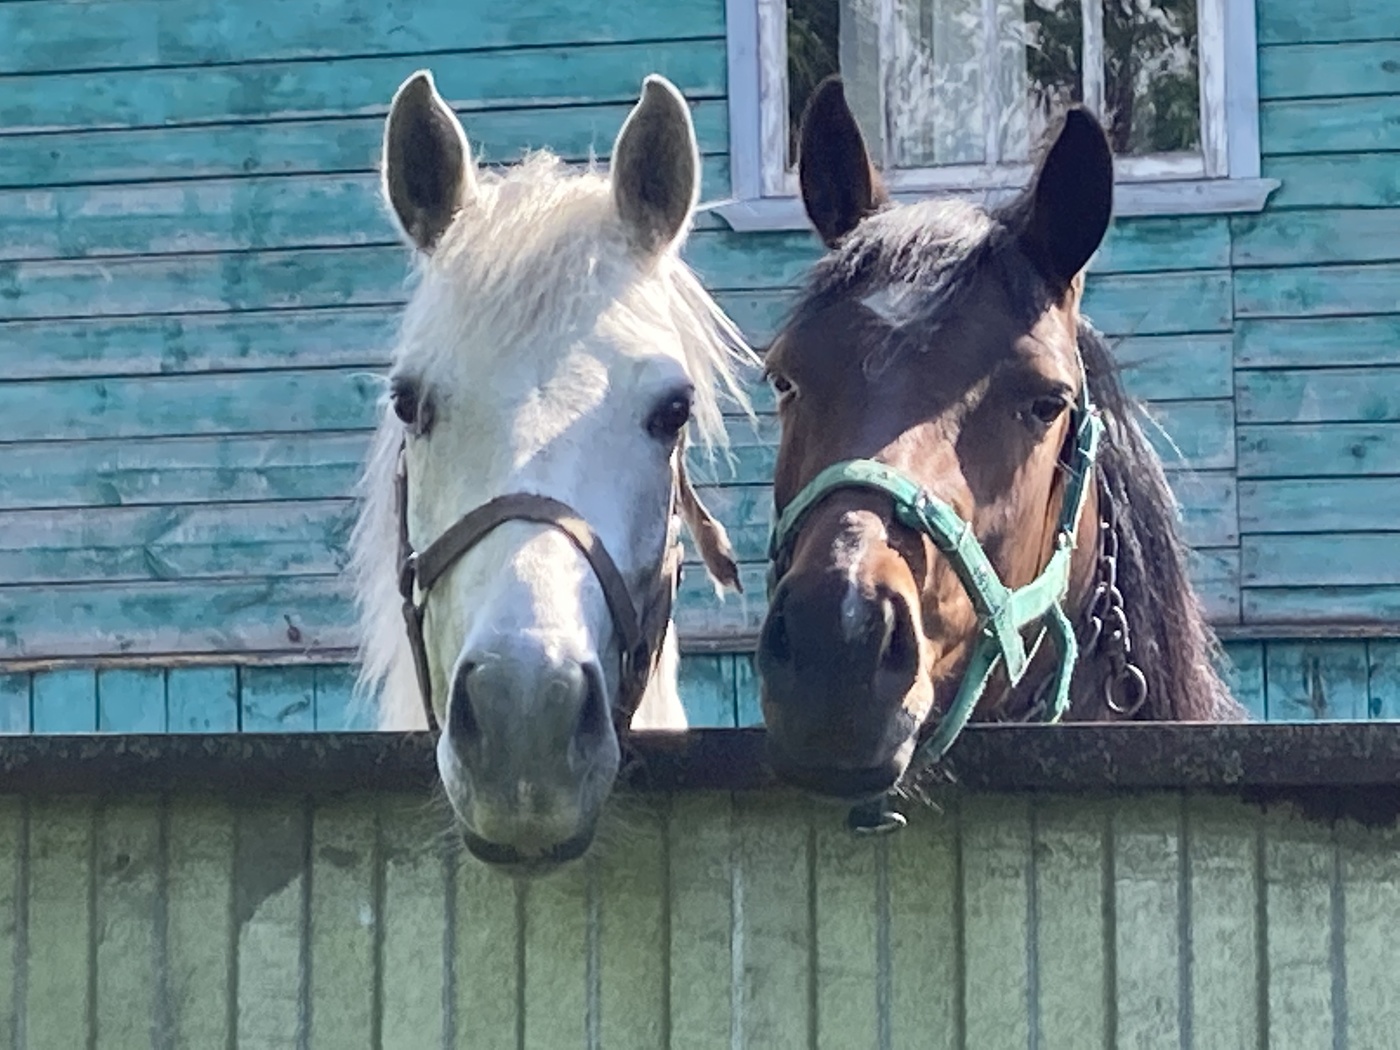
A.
x: 1383, y: 678
x: 337, y: 708
x: 278, y: 699
x: 65, y: 701
x: 200, y: 949
x: 707, y: 689
x: 702, y: 916
x: 848, y: 921
x: 131, y: 700
x: 925, y: 906
x: 202, y: 699
x: 415, y: 923
x: 1243, y: 670
x: 128, y: 869
x: 1299, y: 858
x: 1370, y: 889
x: 632, y: 956
x: 1070, y: 932
x: 558, y: 999
x: 486, y: 968
x: 1147, y: 873
x: 344, y: 924
x: 14, y: 702
x: 773, y: 842
x: 268, y: 887
x: 14, y: 861
x: 996, y: 856
x: 1316, y: 680
x: 1223, y: 874
x: 58, y: 1003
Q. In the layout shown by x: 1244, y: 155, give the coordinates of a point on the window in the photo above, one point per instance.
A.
x: 955, y: 95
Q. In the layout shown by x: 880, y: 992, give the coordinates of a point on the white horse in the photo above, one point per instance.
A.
x: 550, y: 357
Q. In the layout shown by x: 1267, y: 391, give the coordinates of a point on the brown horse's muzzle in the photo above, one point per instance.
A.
x: 838, y: 658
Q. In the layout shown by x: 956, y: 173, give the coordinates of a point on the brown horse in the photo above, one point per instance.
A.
x: 943, y: 345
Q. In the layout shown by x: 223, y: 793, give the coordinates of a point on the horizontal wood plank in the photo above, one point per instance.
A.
x: 263, y: 402
x: 1304, y: 450
x: 251, y: 614
x: 1340, y: 559
x: 1301, y: 21
x: 1333, y: 125
x: 118, y: 472
x: 1316, y: 342
x: 1301, y: 505
x: 1176, y: 367
x: 572, y: 75
x: 1319, y: 395
x: 1318, y: 291
x: 153, y: 33
x: 100, y: 346
x: 239, y: 214
x: 1343, y: 180
x: 1367, y: 67
x: 316, y: 146
x: 1367, y: 604
x: 1291, y: 238
x: 184, y: 542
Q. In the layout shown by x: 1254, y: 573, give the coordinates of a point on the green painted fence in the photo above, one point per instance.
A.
x: 751, y: 920
x: 198, y: 282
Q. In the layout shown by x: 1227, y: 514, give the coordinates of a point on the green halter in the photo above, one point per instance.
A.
x: 1002, y: 613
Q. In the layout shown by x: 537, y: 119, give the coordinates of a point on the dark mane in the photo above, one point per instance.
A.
x: 1172, y: 642
x: 938, y: 251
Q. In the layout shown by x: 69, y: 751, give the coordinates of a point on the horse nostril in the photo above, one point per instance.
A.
x: 461, y: 720
x: 594, y: 716
x: 775, y: 644
x: 900, y: 652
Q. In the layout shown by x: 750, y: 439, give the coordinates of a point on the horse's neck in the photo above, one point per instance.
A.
x: 661, y: 707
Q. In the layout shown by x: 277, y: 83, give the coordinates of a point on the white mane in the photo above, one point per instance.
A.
x: 538, y: 248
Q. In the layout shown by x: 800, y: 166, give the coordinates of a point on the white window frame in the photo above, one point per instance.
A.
x: 1222, y: 178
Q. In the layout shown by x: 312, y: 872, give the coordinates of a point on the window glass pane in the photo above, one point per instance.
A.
x: 813, y: 27
x: 1054, y: 55
x: 1151, y: 76
x: 922, y: 85
x: 935, y: 92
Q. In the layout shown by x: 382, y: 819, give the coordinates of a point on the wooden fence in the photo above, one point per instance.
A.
x: 303, y: 892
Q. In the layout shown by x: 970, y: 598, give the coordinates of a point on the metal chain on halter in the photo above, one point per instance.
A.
x: 1106, y: 626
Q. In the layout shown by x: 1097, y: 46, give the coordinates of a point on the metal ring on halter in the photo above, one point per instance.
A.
x: 876, y: 817
x: 1131, y: 673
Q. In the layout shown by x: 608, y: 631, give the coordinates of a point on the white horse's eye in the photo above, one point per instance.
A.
x: 670, y: 417
x: 412, y: 410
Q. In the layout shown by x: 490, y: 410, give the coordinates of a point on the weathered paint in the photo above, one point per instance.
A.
x: 753, y: 921
x: 198, y: 283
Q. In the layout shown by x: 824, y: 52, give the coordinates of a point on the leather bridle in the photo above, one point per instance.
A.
x: 640, y: 634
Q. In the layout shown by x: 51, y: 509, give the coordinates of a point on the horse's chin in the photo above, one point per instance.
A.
x: 528, y: 864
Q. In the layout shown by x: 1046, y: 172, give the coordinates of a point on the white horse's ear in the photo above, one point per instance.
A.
x: 427, y: 169
x: 656, y: 168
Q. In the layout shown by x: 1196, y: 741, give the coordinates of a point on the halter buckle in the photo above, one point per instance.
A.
x: 408, y: 575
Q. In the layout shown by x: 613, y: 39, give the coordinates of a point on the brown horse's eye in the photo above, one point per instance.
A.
x: 412, y: 411
x: 782, y: 385
x: 1045, y: 410
x: 670, y: 417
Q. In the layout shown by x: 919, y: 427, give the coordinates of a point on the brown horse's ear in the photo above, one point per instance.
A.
x: 427, y: 165
x: 710, y: 536
x: 839, y: 184
x: 1071, y: 199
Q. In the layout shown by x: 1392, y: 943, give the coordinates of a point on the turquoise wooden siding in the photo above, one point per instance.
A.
x: 751, y: 921
x: 1279, y: 681
x: 198, y: 284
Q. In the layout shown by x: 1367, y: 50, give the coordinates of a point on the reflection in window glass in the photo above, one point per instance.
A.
x: 941, y: 82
